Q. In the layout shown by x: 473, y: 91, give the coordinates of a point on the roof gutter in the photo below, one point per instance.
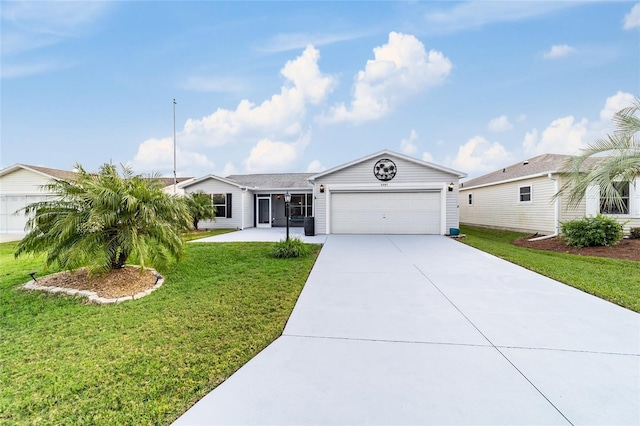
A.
x: 556, y: 213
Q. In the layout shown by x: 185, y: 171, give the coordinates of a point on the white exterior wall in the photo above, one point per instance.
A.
x: 498, y: 206
x: 213, y: 186
x: 17, y: 190
x: 409, y: 175
x: 248, y: 209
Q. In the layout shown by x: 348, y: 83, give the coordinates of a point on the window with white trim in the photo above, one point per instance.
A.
x: 613, y: 208
x: 524, y: 192
x: 222, y: 203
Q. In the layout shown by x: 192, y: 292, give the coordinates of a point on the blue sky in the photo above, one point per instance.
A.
x: 305, y: 86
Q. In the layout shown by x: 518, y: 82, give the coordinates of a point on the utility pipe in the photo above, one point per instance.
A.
x: 556, y: 213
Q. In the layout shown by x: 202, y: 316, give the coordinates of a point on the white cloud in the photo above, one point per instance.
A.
x: 559, y: 51
x: 427, y: 157
x: 270, y: 156
x: 408, y: 146
x: 479, y: 155
x: 156, y: 155
x: 500, y: 124
x: 401, y: 68
x: 281, y: 115
x: 521, y: 118
x: 614, y: 104
x: 229, y: 169
x: 563, y: 136
x: 275, y: 156
x: 476, y: 14
x: 315, y: 167
x: 568, y: 136
x: 632, y: 19
x: 294, y: 41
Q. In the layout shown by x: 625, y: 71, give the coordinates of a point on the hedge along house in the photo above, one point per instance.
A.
x: 383, y: 193
x: 520, y: 198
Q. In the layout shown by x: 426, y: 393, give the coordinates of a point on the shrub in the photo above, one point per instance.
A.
x: 294, y: 247
x: 592, y: 231
x: 634, y: 233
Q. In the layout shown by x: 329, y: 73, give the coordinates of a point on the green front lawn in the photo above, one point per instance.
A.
x: 617, y: 281
x: 147, y: 361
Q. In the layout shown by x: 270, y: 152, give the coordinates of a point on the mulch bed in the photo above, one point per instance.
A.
x: 628, y: 249
x: 123, y: 282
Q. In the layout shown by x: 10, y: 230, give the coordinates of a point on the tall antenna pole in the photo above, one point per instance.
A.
x: 175, y: 177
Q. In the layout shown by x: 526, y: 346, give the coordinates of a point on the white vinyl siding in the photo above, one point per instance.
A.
x: 18, y: 189
x: 499, y: 206
x: 385, y: 213
x: 213, y: 186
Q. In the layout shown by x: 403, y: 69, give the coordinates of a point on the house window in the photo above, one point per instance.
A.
x: 525, y: 194
x: 222, y: 203
x: 470, y: 199
x: 623, y: 190
x: 301, y: 205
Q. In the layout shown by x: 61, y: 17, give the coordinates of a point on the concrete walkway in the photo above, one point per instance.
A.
x: 263, y: 234
x: 425, y: 330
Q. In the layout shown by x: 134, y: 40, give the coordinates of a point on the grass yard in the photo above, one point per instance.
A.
x: 195, y: 235
x: 146, y: 361
x: 617, y: 281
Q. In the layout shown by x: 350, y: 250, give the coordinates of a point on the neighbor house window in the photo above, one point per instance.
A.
x: 301, y: 205
x: 623, y: 190
x: 525, y: 193
x: 470, y: 199
x: 222, y: 203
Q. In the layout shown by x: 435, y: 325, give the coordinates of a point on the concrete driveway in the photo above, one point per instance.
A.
x: 425, y: 330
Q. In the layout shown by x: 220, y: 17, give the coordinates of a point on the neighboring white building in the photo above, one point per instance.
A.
x: 520, y: 198
x: 21, y: 185
x: 382, y: 193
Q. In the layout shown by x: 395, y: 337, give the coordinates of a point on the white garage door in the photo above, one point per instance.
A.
x: 385, y: 213
x: 12, y: 219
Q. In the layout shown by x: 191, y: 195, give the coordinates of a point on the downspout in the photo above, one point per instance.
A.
x: 556, y: 213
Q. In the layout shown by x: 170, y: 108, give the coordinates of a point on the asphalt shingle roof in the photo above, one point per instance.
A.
x: 56, y: 173
x: 544, y: 163
x: 273, y: 180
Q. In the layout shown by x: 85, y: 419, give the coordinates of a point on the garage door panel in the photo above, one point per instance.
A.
x: 385, y: 213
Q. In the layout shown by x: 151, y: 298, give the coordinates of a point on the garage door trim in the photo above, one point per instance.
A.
x: 420, y: 187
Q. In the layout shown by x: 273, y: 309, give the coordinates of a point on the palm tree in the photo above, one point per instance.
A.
x: 101, y: 219
x: 621, y: 163
x: 200, y: 207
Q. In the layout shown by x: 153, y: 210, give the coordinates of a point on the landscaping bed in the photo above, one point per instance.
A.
x: 628, y: 249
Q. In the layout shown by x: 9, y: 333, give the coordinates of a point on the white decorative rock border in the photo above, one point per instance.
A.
x: 93, y: 296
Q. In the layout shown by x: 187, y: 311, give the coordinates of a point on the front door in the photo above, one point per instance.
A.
x: 263, y: 212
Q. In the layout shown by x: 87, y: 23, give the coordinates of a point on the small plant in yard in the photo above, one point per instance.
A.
x: 592, y: 231
x: 634, y: 233
x: 293, y: 247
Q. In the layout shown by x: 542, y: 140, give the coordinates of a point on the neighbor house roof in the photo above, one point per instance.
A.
x: 48, y: 172
x: 274, y: 180
x: 542, y: 164
x: 388, y: 152
x: 168, y: 181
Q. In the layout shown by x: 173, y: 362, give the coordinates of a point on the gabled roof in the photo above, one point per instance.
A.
x: 542, y: 164
x: 44, y: 171
x: 274, y: 180
x: 388, y: 152
x: 214, y: 177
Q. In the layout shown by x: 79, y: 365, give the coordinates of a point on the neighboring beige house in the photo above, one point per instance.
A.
x: 382, y: 193
x: 520, y: 198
